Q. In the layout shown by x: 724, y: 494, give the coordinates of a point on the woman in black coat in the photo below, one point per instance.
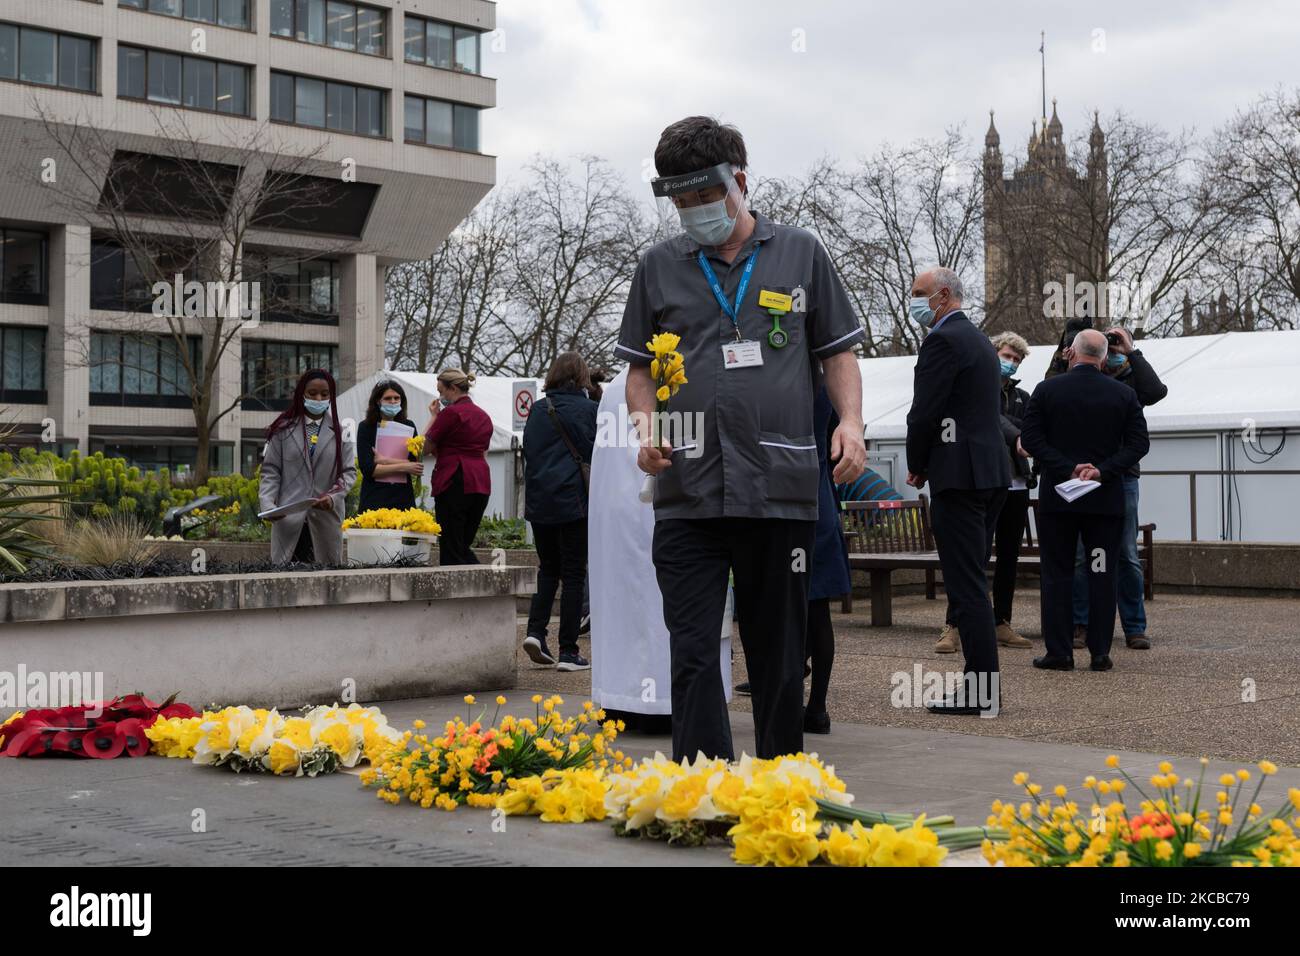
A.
x: 387, y: 404
x: 558, y: 442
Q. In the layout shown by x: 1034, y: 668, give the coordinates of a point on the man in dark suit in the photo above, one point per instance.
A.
x: 954, y: 442
x: 1086, y: 425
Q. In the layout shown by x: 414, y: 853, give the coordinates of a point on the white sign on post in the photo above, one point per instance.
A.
x: 522, y: 396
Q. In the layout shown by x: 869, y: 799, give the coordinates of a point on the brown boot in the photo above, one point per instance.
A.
x: 949, y: 641
x: 1080, y: 635
x: 1137, y: 642
x: 1009, y: 638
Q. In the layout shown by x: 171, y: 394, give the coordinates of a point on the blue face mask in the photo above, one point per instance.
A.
x: 315, y: 407
x: 389, y: 411
x: 709, y: 224
x: 444, y: 402
x: 1007, y: 368
x: 1114, y: 360
x: 919, y: 309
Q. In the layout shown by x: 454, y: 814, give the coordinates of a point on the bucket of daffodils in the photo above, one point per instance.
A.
x: 385, y: 535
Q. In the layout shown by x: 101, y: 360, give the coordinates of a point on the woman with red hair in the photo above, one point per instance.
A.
x: 308, y: 456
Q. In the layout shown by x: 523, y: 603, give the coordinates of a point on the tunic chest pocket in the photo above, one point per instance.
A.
x: 792, y: 468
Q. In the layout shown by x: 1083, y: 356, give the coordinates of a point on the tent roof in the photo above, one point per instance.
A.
x: 492, y: 394
x: 1215, y: 382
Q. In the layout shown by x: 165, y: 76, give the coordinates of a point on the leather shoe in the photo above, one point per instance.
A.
x: 952, y: 708
x: 1049, y: 663
x: 816, y: 722
x: 1137, y: 642
x: 1080, y: 635
x: 1101, y: 662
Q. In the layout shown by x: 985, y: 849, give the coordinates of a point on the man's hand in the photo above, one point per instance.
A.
x: 324, y: 503
x: 1087, y: 472
x: 848, y: 451
x: 1020, y: 449
x: 653, y: 460
x: 1125, y: 344
x: 915, y: 480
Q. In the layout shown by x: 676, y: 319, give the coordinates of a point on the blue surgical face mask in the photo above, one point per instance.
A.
x: 315, y: 407
x: 709, y: 224
x: 1114, y: 360
x: 919, y: 309
x: 389, y: 411
x: 444, y: 402
x: 1007, y: 368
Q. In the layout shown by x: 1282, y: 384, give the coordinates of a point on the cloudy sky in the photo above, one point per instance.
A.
x: 839, y: 77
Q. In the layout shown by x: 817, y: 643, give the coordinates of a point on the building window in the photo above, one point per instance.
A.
x: 140, y: 370
x: 23, y: 258
x: 335, y: 23
x: 48, y: 59
x: 441, y: 123
x: 295, y: 290
x: 190, y: 81
x: 443, y: 45
x: 305, y: 101
x: 271, y: 370
x: 22, y: 365
x: 117, y: 283
x: 225, y: 13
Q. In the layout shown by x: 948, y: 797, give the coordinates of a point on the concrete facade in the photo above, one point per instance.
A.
x: 423, y: 193
x: 275, y: 639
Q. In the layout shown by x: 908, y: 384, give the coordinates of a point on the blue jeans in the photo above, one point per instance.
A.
x: 1132, y: 609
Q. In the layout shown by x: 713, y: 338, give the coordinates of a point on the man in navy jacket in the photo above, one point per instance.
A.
x: 954, y: 442
x: 1082, y: 424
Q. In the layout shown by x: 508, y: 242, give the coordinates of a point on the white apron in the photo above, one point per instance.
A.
x: 629, y: 641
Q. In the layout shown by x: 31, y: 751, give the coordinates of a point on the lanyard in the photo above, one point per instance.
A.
x: 732, y: 311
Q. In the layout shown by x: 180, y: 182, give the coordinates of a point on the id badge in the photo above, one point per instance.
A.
x: 741, y: 355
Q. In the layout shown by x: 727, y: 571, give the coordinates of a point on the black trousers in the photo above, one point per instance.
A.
x: 561, y: 558
x: 768, y: 559
x: 964, y: 522
x: 821, y: 649
x: 459, y: 515
x: 1010, y: 538
x: 1058, y: 537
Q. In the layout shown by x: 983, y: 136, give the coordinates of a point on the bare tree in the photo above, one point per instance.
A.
x: 451, y: 307
x: 1254, y: 166
x: 176, y: 204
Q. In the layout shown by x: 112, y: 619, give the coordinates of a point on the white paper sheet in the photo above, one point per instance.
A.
x: 301, y: 504
x: 1076, y: 488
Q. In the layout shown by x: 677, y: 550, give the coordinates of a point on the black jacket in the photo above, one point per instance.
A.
x: 1014, y: 402
x: 1084, y: 416
x: 553, y: 488
x: 954, y: 428
x: 1138, y: 375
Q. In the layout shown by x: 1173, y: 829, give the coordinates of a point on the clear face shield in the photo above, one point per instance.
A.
x: 707, y: 202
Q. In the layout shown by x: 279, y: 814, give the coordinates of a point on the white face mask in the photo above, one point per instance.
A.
x: 709, y: 224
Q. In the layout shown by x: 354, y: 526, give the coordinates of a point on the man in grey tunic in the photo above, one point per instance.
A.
x: 763, y: 321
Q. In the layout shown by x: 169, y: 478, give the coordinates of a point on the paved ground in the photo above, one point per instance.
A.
x: 1222, y: 679
x: 1181, y: 698
x: 140, y: 812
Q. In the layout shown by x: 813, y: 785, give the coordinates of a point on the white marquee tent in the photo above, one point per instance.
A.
x: 493, y: 395
x: 1233, y: 405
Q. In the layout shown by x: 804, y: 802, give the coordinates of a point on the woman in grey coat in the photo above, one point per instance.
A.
x: 308, y: 456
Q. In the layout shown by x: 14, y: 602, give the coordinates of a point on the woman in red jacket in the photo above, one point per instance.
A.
x: 458, y: 438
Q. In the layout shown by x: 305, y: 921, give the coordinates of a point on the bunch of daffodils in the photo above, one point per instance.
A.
x: 575, y: 795
x: 415, y: 520
x: 415, y: 446
x: 324, y: 739
x: 472, y: 763
x: 667, y: 368
x: 1179, y: 824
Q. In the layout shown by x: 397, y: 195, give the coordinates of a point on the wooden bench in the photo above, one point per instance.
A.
x: 887, y: 536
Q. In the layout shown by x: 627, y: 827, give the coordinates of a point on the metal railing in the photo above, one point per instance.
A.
x: 1194, y: 473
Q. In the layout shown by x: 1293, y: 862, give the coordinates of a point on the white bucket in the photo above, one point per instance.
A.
x: 371, y: 546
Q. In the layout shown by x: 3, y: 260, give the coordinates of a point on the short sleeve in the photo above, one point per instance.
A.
x: 638, y: 320
x: 833, y: 325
